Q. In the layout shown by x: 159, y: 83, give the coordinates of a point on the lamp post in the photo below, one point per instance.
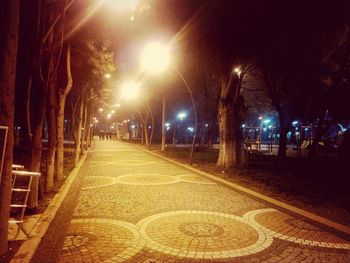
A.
x: 155, y: 59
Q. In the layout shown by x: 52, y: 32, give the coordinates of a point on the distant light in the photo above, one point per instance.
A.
x: 100, y: 109
x: 243, y: 125
x: 167, y: 128
x: 265, y: 129
x: 95, y: 118
x: 181, y: 115
x: 270, y: 126
x: 260, y: 118
x: 65, y: 120
x: 112, y: 111
x: 117, y: 105
x: 128, y: 120
x: 190, y: 129
x: 91, y: 125
x: 267, y: 121
x: 96, y: 121
x: 297, y: 133
x: 149, y: 127
x: 306, y: 129
x: 167, y: 124
x: 109, y: 116
x: 206, y: 125
x: 256, y: 129
x: 295, y: 123
x: 133, y: 126
x: 108, y: 76
x: 238, y: 71
x: 125, y: 121
x: 132, y: 18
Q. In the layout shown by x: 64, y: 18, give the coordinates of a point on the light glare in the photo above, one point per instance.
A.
x: 155, y: 58
x: 130, y: 90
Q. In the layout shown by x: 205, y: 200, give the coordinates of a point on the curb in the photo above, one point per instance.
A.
x: 28, y: 248
x: 306, y: 214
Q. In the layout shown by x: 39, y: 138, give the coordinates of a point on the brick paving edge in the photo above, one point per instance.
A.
x: 319, y: 219
x: 28, y: 248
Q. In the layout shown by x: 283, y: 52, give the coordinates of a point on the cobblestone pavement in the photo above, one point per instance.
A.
x: 128, y: 205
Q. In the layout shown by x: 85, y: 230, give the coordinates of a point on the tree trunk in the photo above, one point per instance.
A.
x: 51, y: 120
x: 60, y: 118
x: 226, y: 152
x: 9, y: 17
x: 231, y: 153
x: 83, y: 132
x: 88, y: 129
x: 152, y: 127
x: 78, y: 133
x: 51, y: 144
x: 163, y: 124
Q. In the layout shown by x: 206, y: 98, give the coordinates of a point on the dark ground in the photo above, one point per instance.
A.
x: 321, y: 186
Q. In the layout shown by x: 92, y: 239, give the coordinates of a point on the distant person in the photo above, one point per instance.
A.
x: 101, y: 134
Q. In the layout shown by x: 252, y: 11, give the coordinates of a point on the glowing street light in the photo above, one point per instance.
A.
x: 130, y: 90
x: 181, y: 115
x: 238, y: 71
x: 155, y: 58
x: 108, y: 76
x: 100, y: 109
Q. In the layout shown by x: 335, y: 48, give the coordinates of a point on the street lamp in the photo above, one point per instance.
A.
x: 155, y: 59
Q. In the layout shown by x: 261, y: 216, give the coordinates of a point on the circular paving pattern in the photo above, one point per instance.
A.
x: 282, y: 226
x: 147, y: 179
x: 202, y: 234
x: 93, y: 182
x: 116, y: 241
x: 195, y: 178
x: 123, y: 163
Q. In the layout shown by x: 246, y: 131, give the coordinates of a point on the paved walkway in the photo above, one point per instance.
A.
x: 128, y: 205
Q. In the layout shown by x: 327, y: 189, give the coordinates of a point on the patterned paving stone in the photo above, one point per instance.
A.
x: 135, y: 207
x: 202, y: 234
x: 100, y: 240
x: 147, y: 179
x: 194, y: 178
x: 283, y: 226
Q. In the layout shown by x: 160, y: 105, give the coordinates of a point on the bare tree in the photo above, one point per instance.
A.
x: 9, y: 20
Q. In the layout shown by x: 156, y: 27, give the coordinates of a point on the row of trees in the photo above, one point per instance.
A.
x: 44, y: 66
x: 243, y: 55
